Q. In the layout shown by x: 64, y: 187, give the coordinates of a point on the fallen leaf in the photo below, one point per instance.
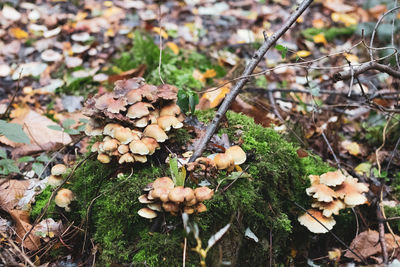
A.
x: 22, y: 225
x: 319, y: 39
x: 136, y: 72
x: 338, y: 6
x: 48, y: 228
x: 173, y: 47
x: 346, y: 19
x: 18, y: 33
x: 352, y: 147
x: 302, y: 53
x: 161, y: 32
x: 213, y: 98
x: 11, y: 191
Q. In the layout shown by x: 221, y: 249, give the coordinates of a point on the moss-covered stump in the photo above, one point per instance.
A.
x: 108, y: 204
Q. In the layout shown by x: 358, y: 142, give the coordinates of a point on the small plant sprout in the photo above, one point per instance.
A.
x: 193, y: 228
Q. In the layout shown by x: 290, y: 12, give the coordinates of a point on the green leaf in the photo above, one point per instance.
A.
x: 83, y: 120
x: 68, y: 123
x: 55, y: 127
x: 3, y: 153
x: 183, y: 101
x: 71, y: 131
x: 282, y: 49
x: 43, y: 158
x: 13, y: 132
x: 177, y: 176
x: 8, y: 166
x: 26, y: 159
x: 37, y: 168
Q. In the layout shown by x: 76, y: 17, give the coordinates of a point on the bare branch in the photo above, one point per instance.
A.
x: 372, y: 65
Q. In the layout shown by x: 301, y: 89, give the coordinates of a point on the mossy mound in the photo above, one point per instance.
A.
x: 108, y: 204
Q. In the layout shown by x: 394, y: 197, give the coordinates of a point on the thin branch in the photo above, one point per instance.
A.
x: 371, y: 65
x: 268, y: 43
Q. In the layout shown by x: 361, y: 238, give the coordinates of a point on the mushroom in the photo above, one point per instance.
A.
x: 103, y: 158
x: 313, y: 225
x: 188, y: 210
x: 143, y: 199
x: 237, y: 154
x: 189, y: 194
x: 155, y: 131
x: 163, y: 182
x: 54, y: 180
x: 170, y: 110
x: 122, y: 149
x: 332, y: 178
x: 95, y: 147
x: 63, y: 198
x: 124, y: 135
x: 166, y: 122
x: 203, y: 193
x: 110, y: 145
x: 139, y: 110
x: 170, y: 207
x: 125, y: 158
x: 223, y: 161
x: 110, y: 128
x: 142, y: 122
x: 140, y: 158
x: 351, y: 191
x: 162, y: 193
x: 58, y: 169
x: 90, y: 130
x: 177, y: 194
x: 147, y: 213
x: 321, y: 192
x: 314, y: 179
x: 200, y: 207
x: 134, y: 96
x: 329, y: 208
x: 151, y: 144
x: 138, y: 147
x: 154, y: 206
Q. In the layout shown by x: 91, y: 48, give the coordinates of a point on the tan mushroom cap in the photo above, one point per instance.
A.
x: 329, y: 208
x: 139, y: 110
x: 110, y: 128
x: 155, y: 131
x: 63, y: 198
x: 177, y: 194
x: 223, y: 161
x: 351, y: 191
x: 140, y: 158
x: 188, y: 210
x: 170, y: 110
x: 166, y: 122
x: 189, y: 194
x: 134, y: 96
x: 313, y: 225
x: 103, y: 158
x: 147, y: 213
x: 321, y: 192
x: 163, y: 182
x: 237, y: 154
x: 143, y: 199
x: 314, y: 179
x: 200, y: 207
x: 142, y: 122
x: 170, y: 207
x: 90, y: 130
x: 124, y: 135
x: 95, y: 147
x: 110, y: 145
x: 151, y: 144
x: 203, y: 193
x: 154, y: 206
x: 332, y: 178
x: 126, y: 158
x: 160, y: 192
x: 54, y: 180
x: 138, y: 147
x: 122, y: 149
x: 191, y: 202
x: 58, y: 169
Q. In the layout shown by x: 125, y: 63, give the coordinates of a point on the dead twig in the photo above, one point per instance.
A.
x: 259, y: 54
x: 371, y: 65
x: 381, y: 230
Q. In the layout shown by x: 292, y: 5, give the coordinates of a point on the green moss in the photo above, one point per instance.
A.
x: 41, y: 202
x: 329, y: 33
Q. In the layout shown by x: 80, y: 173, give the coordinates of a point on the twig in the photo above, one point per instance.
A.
x: 161, y: 44
x: 13, y: 97
x: 331, y: 150
x: 22, y: 255
x: 259, y: 54
x: 381, y: 231
x: 371, y: 65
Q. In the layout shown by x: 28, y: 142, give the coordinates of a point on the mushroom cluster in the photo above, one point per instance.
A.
x: 331, y: 192
x: 162, y: 194
x: 232, y: 157
x: 56, y: 179
x: 133, y: 120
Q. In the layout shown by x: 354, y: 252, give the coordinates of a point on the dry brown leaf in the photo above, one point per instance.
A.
x: 22, y: 225
x: 11, y: 191
x: 137, y: 72
x: 367, y: 244
x: 338, y: 6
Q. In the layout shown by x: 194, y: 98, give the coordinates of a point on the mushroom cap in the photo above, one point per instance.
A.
x: 351, y: 191
x: 321, y: 192
x: 126, y: 158
x: 237, y: 154
x: 134, y: 96
x: 143, y: 199
x: 142, y: 122
x: 163, y: 182
x: 95, y: 147
x: 63, y: 198
x: 140, y: 158
x: 156, y: 132
x: 139, y: 110
x: 154, y: 206
x: 58, y: 169
x: 138, y: 147
x: 191, y: 202
x: 170, y: 207
x: 313, y: 225
x: 170, y: 110
x: 161, y: 192
x: 151, y: 144
x: 110, y: 145
x: 177, y: 194
x: 122, y: 149
x: 147, y: 213
x: 203, y: 193
x: 200, y: 207
x: 90, y: 130
x: 223, y: 161
x: 332, y: 178
x: 103, y: 158
x: 110, y: 128
x: 314, y: 179
x: 189, y: 194
x: 54, y: 180
x: 166, y: 122
x: 329, y: 208
x: 124, y: 135
x: 188, y: 210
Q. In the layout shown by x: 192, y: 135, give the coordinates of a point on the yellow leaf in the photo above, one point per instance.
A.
x: 107, y: 3
x: 320, y: 39
x: 302, y: 53
x: 363, y: 168
x: 198, y: 76
x: 81, y: 16
x: 352, y: 147
x: 173, y: 47
x: 346, y: 19
x: 210, y: 73
x: 334, y: 254
x: 216, y: 97
x: 318, y: 23
x: 18, y: 33
x: 300, y: 19
x: 109, y: 32
x: 352, y: 58
x: 161, y: 32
